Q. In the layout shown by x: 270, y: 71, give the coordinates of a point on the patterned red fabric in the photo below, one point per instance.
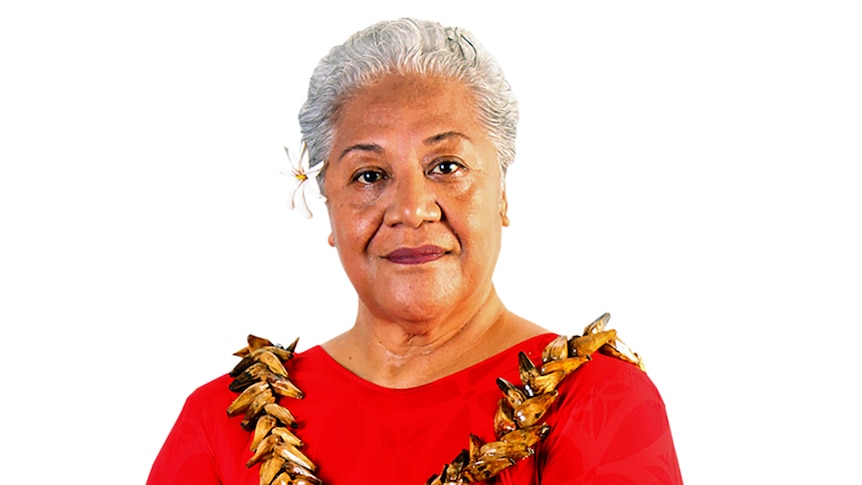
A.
x: 608, y: 427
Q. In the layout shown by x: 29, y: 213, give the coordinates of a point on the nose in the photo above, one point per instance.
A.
x: 413, y: 202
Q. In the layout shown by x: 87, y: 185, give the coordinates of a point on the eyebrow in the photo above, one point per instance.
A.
x: 431, y: 140
x: 364, y: 147
x: 444, y: 136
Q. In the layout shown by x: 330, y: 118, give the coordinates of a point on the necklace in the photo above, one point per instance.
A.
x: 261, y: 379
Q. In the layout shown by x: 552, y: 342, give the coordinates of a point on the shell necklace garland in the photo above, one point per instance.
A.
x: 261, y: 379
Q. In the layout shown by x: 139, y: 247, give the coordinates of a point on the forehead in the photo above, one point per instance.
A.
x: 408, y: 102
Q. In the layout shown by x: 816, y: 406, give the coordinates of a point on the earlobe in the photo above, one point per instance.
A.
x: 331, y: 240
x: 504, y: 210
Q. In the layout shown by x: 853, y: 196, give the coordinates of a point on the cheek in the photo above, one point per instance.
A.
x: 352, y: 228
x: 479, y: 225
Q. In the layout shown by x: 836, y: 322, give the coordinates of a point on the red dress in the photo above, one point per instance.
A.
x: 607, y: 427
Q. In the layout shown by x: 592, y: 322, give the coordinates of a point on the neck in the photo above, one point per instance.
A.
x: 400, y: 354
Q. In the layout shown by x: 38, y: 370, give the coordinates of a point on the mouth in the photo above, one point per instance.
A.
x: 422, y: 254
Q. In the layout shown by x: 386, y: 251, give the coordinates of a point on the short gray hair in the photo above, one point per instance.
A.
x: 408, y: 46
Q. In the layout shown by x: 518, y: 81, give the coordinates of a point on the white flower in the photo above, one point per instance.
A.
x: 302, y: 174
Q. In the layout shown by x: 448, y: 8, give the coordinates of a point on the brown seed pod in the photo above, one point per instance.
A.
x: 282, y: 479
x: 264, y: 425
x: 547, y: 382
x: 254, y: 373
x: 255, y: 409
x: 474, y: 447
x: 617, y: 348
x: 598, y: 324
x: 263, y: 450
x: 566, y: 366
x: 556, y: 350
x: 244, y: 400
x: 292, y: 453
x: 528, y: 436
x: 456, y: 468
x: 531, y: 410
x: 283, y: 386
x: 528, y: 373
x: 270, y: 360
x: 242, y: 365
x: 287, y: 436
x: 283, y: 354
x: 264, y: 356
x: 254, y: 343
x: 270, y: 468
x: 589, y: 343
x: 292, y: 347
x: 512, y: 449
x: 484, y: 468
x: 298, y: 471
x: 513, y: 394
x: 504, y: 422
x: 281, y: 414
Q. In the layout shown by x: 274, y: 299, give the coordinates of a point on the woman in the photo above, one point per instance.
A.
x: 414, y: 125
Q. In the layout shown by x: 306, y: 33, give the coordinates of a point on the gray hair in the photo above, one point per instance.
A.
x: 408, y: 46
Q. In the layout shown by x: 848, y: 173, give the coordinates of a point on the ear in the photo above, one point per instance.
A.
x: 504, y: 209
x: 331, y: 240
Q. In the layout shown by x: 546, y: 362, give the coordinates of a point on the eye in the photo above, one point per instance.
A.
x: 369, y: 177
x: 446, y: 167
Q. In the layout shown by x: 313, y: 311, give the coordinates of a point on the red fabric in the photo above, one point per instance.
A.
x: 608, y: 427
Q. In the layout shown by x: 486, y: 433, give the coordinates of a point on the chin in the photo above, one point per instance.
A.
x: 419, y: 307
x: 417, y: 295
x: 424, y: 318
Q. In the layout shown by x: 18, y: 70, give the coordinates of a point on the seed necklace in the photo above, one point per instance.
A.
x: 261, y: 380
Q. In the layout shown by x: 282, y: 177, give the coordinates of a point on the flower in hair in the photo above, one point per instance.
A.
x: 301, y: 173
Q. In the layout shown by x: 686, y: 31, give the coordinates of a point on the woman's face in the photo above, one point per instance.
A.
x: 415, y: 200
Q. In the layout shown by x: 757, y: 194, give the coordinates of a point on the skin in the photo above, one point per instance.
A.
x: 417, y: 210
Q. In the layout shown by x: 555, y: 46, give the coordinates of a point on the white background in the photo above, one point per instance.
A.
x: 691, y: 167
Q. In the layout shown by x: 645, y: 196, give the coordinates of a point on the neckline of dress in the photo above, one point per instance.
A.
x: 539, y: 341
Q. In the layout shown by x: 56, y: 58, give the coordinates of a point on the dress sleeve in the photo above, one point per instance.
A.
x: 185, y: 457
x: 611, y: 429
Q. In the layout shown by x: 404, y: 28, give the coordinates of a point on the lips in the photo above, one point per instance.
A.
x: 422, y: 254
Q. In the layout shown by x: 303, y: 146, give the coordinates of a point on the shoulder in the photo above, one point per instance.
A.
x: 607, y: 425
x: 608, y: 391
x: 189, y: 454
x: 611, y: 419
x: 214, y: 395
x: 205, y: 445
x: 609, y: 375
x: 204, y: 413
